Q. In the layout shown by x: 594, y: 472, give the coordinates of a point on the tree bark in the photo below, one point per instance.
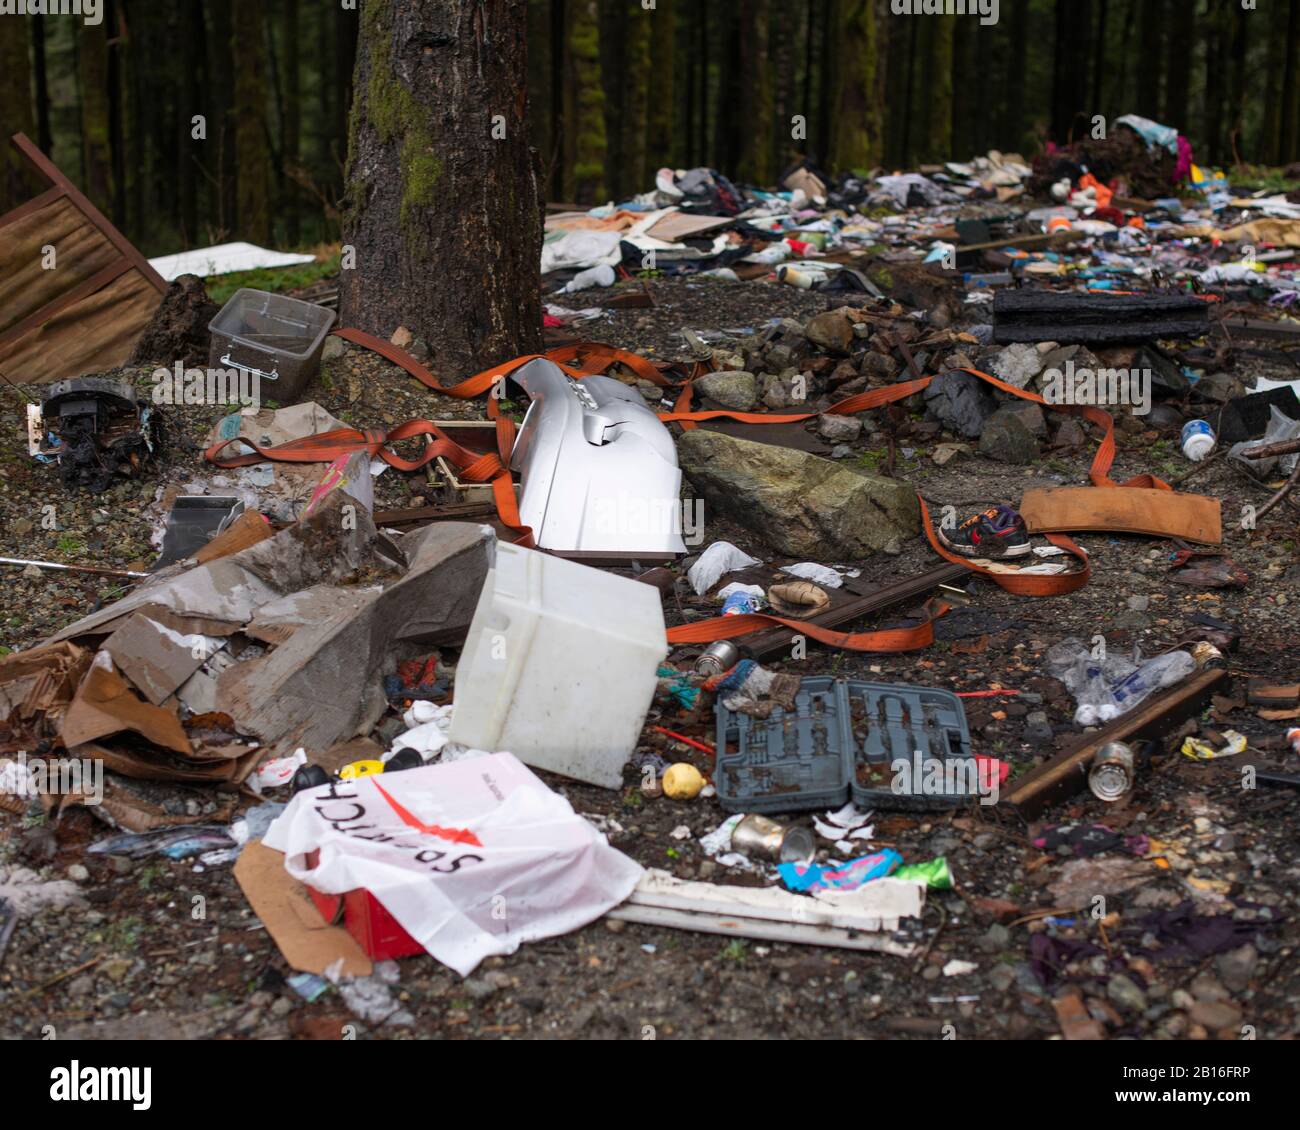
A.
x: 291, y: 146
x: 1290, y: 125
x: 858, y: 115
x: 1178, y: 83
x: 92, y: 61
x: 43, y: 136
x: 442, y: 200
x: 1150, y: 57
x: 939, y: 141
x: 15, y: 110
x: 587, y: 120
x: 745, y: 109
x: 252, y: 158
x: 662, y: 136
x: 635, y: 80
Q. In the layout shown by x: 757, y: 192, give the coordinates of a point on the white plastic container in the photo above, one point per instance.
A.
x: 1198, y: 440
x: 559, y: 666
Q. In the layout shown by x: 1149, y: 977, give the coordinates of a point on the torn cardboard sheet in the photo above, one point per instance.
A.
x: 1132, y: 510
x: 105, y: 705
x: 155, y: 658
x: 309, y: 944
x: 471, y: 858
x: 41, y: 680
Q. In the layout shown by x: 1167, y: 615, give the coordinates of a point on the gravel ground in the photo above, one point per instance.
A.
x: 130, y: 959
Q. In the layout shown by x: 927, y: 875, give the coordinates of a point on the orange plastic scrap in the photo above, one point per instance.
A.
x: 1104, y: 193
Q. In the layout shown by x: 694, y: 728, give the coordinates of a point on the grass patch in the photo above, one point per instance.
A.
x: 273, y: 279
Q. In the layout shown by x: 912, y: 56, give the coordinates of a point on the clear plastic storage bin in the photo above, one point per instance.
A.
x: 277, y: 340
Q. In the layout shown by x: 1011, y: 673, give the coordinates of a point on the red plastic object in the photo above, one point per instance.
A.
x: 364, y: 917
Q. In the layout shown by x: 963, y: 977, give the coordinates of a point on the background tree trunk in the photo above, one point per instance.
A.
x: 291, y: 147
x: 587, y: 117
x: 252, y: 159
x: 754, y: 119
x: 444, y: 216
x: 92, y: 58
x: 15, y: 110
x: 662, y: 145
x: 636, y: 98
x: 858, y: 114
x: 43, y: 136
x: 939, y: 83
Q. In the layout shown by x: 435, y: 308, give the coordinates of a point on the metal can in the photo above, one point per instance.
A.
x: 778, y: 842
x: 1206, y: 655
x: 1111, y: 774
x: 717, y: 658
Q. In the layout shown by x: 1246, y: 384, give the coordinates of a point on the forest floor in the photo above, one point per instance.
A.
x: 131, y: 961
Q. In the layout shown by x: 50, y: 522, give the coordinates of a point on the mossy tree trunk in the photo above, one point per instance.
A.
x: 663, y: 146
x: 859, y: 115
x: 252, y: 155
x: 636, y: 96
x: 442, y: 198
x: 15, y: 110
x: 587, y: 119
x: 938, y: 78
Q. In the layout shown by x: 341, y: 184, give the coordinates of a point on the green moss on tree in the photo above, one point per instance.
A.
x: 858, y: 120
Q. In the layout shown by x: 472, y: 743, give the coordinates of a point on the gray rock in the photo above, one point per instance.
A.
x: 832, y: 330
x: 737, y: 390
x: 879, y: 366
x: 332, y: 349
x: 1017, y: 364
x: 798, y: 503
x: 960, y: 402
x: 1006, y: 438
x: 839, y: 429
x: 996, y: 938
x: 1070, y: 433
x: 1139, y: 602
x: 1125, y: 993
x: 1236, y: 967
x: 1215, y: 1015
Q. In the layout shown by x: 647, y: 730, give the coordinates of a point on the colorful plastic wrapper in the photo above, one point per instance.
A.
x: 935, y: 873
x: 854, y: 874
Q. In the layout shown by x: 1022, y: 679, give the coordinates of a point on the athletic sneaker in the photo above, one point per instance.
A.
x: 997, y: 532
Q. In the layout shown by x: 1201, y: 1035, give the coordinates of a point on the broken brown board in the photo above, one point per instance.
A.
x: 1067, y: 773
x: 84, y: 315
x: 1128, y: 510
x: 309, y: 943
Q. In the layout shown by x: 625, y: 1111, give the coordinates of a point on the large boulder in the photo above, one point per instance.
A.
x: 1008, y: 437
x: 797, y: 503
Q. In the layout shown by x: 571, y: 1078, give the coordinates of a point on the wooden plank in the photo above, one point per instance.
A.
x: 91, y: 336
x: 1133, y: 510
x: 35, y: 204
x: 50, y: 171
x: 80, y: 251
x: 68, y: 298
x: 1067, y: 773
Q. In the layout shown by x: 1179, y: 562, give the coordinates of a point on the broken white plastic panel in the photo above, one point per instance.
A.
x: 559, y: 666
x: 599, y: 471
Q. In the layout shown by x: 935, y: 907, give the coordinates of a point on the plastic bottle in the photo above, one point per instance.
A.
x: 1198, y: 440
x: 1153, y: 675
